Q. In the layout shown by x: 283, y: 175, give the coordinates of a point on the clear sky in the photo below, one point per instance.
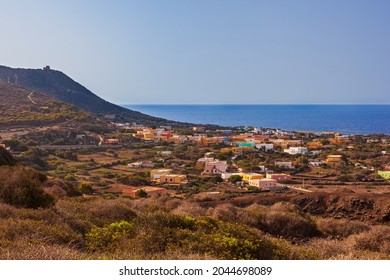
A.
x: 207, y: 51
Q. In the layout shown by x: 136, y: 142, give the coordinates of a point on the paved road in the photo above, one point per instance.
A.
x: 299, y: 189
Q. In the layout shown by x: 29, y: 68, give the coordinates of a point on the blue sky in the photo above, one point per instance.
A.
x: 207, y: 51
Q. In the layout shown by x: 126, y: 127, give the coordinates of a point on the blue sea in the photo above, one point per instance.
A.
x: 346, y: 119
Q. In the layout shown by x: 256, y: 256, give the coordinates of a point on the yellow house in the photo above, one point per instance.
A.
x: 155, y: 174
x: 246, y: 177
x: 149, y: 135
x: 337, y: 141
x: 226, y: 150
x: 241, y: 149
x: 333, y: 159
x: 173, y: 179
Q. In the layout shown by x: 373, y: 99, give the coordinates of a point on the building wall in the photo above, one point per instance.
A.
x: 151, y: 191
x: 174, y: 179
x: 263, y: 183
x: 215, y: 167
x: 281, y: 177
x: 250, y: 176
x: 156, y: 173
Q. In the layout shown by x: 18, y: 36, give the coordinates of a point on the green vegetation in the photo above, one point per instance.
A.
x: 235, y: 178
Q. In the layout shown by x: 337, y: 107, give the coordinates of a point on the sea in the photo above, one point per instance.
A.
x: 345, y: 119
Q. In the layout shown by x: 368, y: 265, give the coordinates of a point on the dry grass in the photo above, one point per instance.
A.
x: 340, y: 228
x: 375, y: 240
x: 169, y: 228
x: 84, y: 213
x: 27, y: 250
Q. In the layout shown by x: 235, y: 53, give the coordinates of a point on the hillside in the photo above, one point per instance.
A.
x: 59, y: 86
x: 6, y: 158
x: 23, y: 107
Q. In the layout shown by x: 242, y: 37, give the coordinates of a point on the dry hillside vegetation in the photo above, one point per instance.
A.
x: 20, y: 106
x: 167, y: 228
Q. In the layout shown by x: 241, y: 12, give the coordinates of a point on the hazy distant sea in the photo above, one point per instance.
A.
x: 347, y: 119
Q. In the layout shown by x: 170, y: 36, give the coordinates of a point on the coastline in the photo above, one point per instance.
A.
x: 351, y: 119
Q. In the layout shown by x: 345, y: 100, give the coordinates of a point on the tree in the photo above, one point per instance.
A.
x: 235, y: 178
x: 141, y: 193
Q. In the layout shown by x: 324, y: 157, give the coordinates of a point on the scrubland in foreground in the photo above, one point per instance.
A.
x: 167, y: 228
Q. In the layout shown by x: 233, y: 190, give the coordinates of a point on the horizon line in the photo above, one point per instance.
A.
x: 256, y: 104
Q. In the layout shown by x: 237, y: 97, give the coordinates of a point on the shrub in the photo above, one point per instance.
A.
x: 141, y: 193
x: 281, y: 219
x: 85, y: 188
x: 6, y: 158
x: 70, y: 178
x: 22, y: 187
x: 101, y: 237
x: 224, y: 212
x: 235, y: 178
x: 82, y: 213
x: 38, y: 231
x: 160, y: 233
x: 340, y: 228
x: 377, y: 240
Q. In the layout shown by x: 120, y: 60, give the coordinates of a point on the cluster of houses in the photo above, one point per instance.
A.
x: 212, y: 166
x: 250, y: 139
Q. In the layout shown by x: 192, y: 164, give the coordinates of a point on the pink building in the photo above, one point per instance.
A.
x: 263, y: 183
x: 214, y: 167
x: 279, y: 177
x: 112, y: 141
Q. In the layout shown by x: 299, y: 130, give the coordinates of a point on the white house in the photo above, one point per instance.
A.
x: 284, y: 164
x: 135, y: 165
x: 262, y: 168
x: 214, y: 167
x: 265, y: 146
x: 315, y: 153
x: 296, y: 151
x: 165, y: 153
x: 155, y: 174
x: 226, y: 176
x: 315, y: 163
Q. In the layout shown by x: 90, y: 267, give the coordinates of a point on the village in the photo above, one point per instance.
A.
x: 139, y: 161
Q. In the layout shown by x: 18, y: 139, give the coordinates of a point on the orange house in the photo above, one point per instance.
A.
x: 151, y: 191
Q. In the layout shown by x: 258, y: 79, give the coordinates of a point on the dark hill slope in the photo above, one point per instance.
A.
x: 59, y: 86
x: 6, y: 158
x: 20, y: 107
